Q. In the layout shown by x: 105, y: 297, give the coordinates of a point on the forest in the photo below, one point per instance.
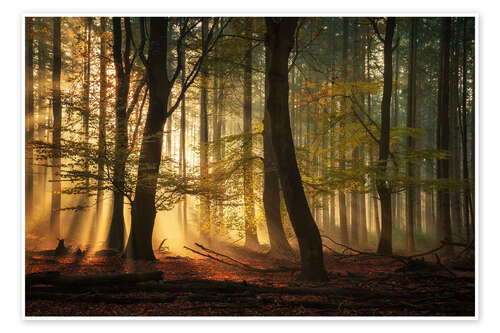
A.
x: 249, y: 166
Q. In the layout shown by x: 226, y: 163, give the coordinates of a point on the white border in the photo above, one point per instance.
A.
x: 21, y: 155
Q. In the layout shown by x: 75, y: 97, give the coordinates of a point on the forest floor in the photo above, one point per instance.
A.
x: 196, y: 285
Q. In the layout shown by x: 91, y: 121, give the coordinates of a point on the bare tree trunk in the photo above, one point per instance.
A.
x: 122, y: 64
x: 344, y: 236
x: 443, y: 136
x: 204, y: 202
x: 271, y: 195
x: 410, y: 123
x: 103, y: 86
x: 383, y: 188
x: 279, y: 40
x: 29, y: 117
x: 55, y: 218
x: 139, y: 245
x: 249, y: 196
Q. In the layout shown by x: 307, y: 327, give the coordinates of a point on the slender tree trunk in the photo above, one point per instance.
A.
x: 86, y: 99
x: 55, y: 218
x: 182, y: 143
x: 29, y: 117
x: 279, y: 40
x: 344, y: 236
x: 465, y: 166
x: 116, y: 233
x: 249, y: 196
x: 204, y: 202
x: 410, y: 123
x: 443, y: 136
x: 103, y: 86
x: 383, y: 188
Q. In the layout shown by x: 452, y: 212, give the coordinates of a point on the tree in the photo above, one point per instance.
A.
x: 279, y: 40
x: 29, y: 116
x: 383, y: 187
x: 123, y: 66
x: 443, y: 135
x: 249, y: 197
x: 55, y: 218
x: 103, y: 86
x: 411, y: 123
x: 271, y: 194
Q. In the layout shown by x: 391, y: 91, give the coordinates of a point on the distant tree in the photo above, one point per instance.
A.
x: 55, y: 217
x: 29, y: 116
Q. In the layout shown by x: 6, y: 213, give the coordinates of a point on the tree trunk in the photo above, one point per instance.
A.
x: 344, y: 236
x: 139, y: 245
x: 271, y: 195
x: 204, y: 201
x: 103, y: 86
x: 29, y: 118
x: 55, y: 218
x: 410, y: 123
x: 116, y: 233
x: 443, y: 136
x: 383, y: 188
x: 249, y: 196
x: 279, y: 40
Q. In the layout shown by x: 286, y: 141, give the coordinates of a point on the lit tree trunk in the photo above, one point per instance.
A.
x: 86, y: 99
x: 204, y: 201
x: 279, y: 40
x: 271, y: 195
x: 182, y: 144
x: 55, y: 218
x: 29, y: 118
x: 123, y: 66
x: 410, y: 123
x: 103, y: 86
x: 249, y: 197
x: 443, y: 135
x: 139, y: 245
x: 383, y: 188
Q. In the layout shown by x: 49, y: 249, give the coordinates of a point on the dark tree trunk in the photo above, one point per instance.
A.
x: 443, y: 136
x: 271, y: 195
x: 279, y: 40
x: 29, y: 118
x: 383, y: 188
x: 139, y: 245
x: 55, y: 218
x: 410, y: 123
x: 122, y: 63
x: 249, y: 196
x: 344, y: 236
x: 86, y: 99
x: 103, y: 86
x: 465, y: 166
